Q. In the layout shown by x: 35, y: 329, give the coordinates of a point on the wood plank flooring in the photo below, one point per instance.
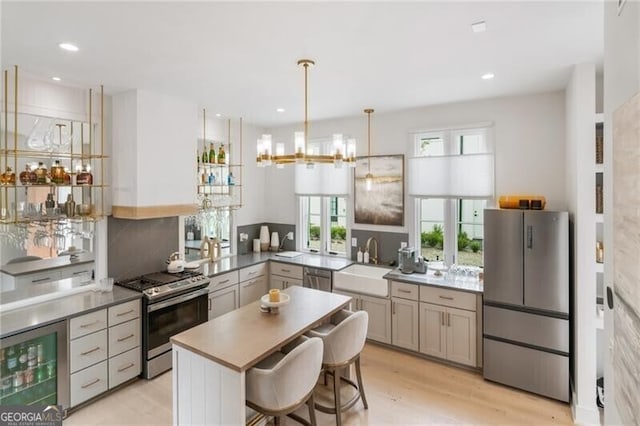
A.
x: 401, y: 389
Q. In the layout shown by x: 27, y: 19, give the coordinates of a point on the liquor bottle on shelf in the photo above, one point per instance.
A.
x: 41, y: 174
x: 230, y: 179
x: 212, y: 154
x: 5, y: 383
x: 57, y: 173
x: 84, y: 177
x: 8, y: 177
x: 212, y: 179
x: 221, y: 155
x: 66, y: 177
x: 28, y: 176
x: 205, y: 157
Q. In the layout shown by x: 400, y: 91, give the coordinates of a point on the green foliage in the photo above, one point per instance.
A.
x: 338, y: 233
x: 475, y: 246
x: 463, y: 241
x: 435, y: 238
x: 314, y: 232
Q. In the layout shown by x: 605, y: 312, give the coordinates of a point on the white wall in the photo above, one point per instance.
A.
x: 621, y: 82
x: 580, y: 149
x: 528, y: 138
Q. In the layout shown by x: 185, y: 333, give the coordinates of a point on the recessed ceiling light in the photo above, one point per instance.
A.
x: 218, y: 115
x: 55, y: 78
x: 68, y: 46
x: 479, y: 27
x: 280, y: 109
x: 488, y: 76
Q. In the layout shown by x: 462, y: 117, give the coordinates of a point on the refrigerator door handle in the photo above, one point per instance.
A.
x: 529, y: 237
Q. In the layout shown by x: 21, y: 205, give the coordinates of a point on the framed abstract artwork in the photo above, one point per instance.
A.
x: 383, y: 202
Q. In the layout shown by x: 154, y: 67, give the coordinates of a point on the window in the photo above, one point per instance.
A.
x: 323, y: 224
x: 451, y: 229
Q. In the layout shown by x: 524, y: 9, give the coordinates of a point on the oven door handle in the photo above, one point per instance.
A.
x: 179, y: 299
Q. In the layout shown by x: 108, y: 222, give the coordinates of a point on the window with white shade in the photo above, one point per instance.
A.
x: 323, y: 224
x: 451, y: 177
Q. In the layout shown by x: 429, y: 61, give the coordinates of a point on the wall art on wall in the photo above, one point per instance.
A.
x: 383, y: 204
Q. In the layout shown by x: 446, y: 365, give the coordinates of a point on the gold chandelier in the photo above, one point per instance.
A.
x: 341, y: 152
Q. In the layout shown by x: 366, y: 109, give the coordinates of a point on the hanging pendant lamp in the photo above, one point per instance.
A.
x: 368, y: 177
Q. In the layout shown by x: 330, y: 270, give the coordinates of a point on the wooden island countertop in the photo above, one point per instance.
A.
x: 243, y: 337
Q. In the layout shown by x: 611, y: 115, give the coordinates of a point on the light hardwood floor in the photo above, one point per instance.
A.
x: 401, y: 389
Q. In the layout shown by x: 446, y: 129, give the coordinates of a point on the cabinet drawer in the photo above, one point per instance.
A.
x: 286, y: 270
x: 88, y: 350
x: 124, y: 337
x: 253, y: 271
x: 124, y: 367
x: 89, y: 323
x: 124, y: 312
x: 37, y: 278
x: 88, y: 383
x: 445, y: 297
x: 404, y: 290
x: 85, y: 270
x: 223, y: 281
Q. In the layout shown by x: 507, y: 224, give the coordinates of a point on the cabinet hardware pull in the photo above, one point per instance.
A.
x: 251, y: 273
x: 448, y: 320
x: 97, y: 348
x: 80, y: 272
x: 89, y: 324
x: 393, y: 308
x: 446, y: 297
x: 224, y: 281
x: 122, y: 339
x: 40, y: 280
x: 90, y: 384
x: 403, y: 291
x: 124, y: 313
x: 121, y: 369
x: 286, y: 270
x: 209, y: 304
x: 442, y: 318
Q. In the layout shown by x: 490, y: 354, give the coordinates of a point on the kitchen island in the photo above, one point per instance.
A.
x: 210, y: 361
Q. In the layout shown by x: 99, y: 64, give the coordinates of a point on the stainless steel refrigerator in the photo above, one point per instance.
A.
x: 526, y: 300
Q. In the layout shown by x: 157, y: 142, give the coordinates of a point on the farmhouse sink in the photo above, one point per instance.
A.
x: 362, y: 279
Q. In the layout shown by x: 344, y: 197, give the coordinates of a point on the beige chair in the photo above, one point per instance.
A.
x: 343, y: 339
x: 281, y: 383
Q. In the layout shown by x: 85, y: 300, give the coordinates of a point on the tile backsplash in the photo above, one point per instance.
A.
x: 253, y: 231
x: 388, y: 244
x: 137, y: 247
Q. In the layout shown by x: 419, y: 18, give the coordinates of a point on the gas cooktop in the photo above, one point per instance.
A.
x: 162, y: 284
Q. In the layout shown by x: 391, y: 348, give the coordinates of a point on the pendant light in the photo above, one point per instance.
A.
x: 340, y: 152
x: 368, y: 179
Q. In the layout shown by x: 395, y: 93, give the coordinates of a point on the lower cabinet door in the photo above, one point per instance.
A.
x: 253, y: 290
x: 404, y: 323
x: 379, y: 311
x: 124, y: 367
x: 461, y: 336
x: 433, y: 338
x: 223, y: 301
x: 277, y: 282
x: 87, y: 383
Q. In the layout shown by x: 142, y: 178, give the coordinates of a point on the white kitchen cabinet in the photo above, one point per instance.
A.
x: 253, y: 290
x: 223, y: 301
x: 404, y: 315
x: 404, y: 323
x: 379, y: 310
x: 448, y: 333
x: 284, y: 275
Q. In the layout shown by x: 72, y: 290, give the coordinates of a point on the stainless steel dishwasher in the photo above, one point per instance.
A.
x: 320, y: 279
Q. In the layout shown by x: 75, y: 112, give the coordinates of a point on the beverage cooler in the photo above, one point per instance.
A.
x: 34, y: 367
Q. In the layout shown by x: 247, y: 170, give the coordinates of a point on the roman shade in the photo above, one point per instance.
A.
x: 322, y: 179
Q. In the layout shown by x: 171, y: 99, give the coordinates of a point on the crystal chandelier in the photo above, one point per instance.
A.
x: 341, y: 152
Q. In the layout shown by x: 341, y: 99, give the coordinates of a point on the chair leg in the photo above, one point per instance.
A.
x: 325, y: 377
x: 276, y: 420
x: 312, y: 411
x: 360, y: 387
x: 336, y: 397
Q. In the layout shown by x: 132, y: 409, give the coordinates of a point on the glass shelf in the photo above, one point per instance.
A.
x: 23, y: 153
x: 54, y: 185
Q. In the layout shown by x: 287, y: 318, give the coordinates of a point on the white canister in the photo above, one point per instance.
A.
x: 275, y: 241
x: 264, y: 238
x: 256, y: 245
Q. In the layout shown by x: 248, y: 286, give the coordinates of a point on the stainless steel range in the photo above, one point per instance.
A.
x: 172, y: 303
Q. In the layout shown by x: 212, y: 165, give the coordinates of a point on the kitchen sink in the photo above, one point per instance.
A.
x: 362, y: 279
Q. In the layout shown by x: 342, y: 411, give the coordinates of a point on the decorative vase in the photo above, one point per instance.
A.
x: 264, y: 238
x: 275, y: 241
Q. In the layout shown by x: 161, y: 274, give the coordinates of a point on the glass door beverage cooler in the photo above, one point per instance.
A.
x: 33, y: 367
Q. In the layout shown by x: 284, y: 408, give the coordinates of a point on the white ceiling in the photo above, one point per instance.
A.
x: 239, y: 59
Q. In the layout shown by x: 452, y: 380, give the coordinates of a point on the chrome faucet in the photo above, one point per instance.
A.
x: 372, y: 258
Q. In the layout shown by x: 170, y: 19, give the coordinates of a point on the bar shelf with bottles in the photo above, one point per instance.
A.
x: 29, y: 372
x: 51, y: 168
x: 219, y: 179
